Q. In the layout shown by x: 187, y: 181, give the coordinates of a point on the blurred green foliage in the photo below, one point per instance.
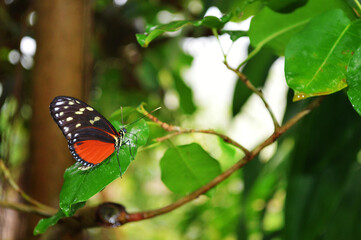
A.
x: 307, y: 189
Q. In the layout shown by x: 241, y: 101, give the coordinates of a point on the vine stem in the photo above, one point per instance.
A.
x: 131, y: 217
x: 250, y: 86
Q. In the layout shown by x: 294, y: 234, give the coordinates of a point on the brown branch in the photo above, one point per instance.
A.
x: 123, y: 217
x: 179, y: 130
x: 250, y: 86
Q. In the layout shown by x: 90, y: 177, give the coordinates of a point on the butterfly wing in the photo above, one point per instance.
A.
x: 91, y: 137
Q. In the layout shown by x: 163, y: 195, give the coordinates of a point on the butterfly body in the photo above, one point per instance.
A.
x: 91, y: 137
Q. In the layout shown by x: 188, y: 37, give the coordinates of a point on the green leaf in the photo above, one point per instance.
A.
x: 317, y: 57
x: 45, y: 223
x: 353, y: 77
x: 286, y: 6
x: 235, y: 35
x: 187, y: 168
x: 145, y: 39
x: 242, y: 9
x: 80, y: 185
x: 185, y: 94
x: 274, y: 30
x: 208, y: 21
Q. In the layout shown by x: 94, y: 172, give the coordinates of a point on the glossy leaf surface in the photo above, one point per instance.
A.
x: 317, y: 57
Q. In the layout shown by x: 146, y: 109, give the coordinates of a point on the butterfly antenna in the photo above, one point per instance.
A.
x: 121, y: 110
x: 144, y: 116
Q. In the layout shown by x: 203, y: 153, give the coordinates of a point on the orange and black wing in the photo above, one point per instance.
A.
x: 91, y: 137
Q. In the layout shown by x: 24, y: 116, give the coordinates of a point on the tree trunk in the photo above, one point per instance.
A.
x: 62, y: 31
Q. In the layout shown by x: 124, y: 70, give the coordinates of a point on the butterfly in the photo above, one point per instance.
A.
x: 91, y: 137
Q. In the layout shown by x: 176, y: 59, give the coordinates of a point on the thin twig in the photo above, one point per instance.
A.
x: 358, y: 4
x: 215, y: 33
x: 26, y: 197
x: 179, y: 130
x: 250, y: 86
x: 26, y: 208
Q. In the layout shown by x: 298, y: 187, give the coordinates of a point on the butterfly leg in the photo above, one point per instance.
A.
x: 130, y: 149
x: 136, y: 138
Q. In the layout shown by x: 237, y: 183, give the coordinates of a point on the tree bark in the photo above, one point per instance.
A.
x: 62, y: 31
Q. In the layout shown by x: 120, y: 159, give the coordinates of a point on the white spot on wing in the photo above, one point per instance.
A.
x: 61, y: 114
x: 95, y: 119
x: 89, y: 108
x: 69, y: 119
x: 71, y: 103
x: 66, y: 129
x: 59, y: 103
x: 56, y: 109
x: 79, y: 112
x: 78, y: 125
x: 66, y: 107
x: 82, y: 109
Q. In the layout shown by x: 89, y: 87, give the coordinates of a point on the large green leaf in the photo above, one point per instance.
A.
x: 353, y: 78
x: 274, y: 30
x: 207, y: 21
x: 80, y: 185
x: 318, y: 56
x: 187, y: 168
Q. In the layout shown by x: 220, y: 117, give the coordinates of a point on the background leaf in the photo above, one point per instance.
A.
x: 207, y: 21
x: 235, y: 35
x: 187, y: 168
x: 80, y: 185
x: 322, y: 159
x: 318, y: 56
x: 286, y: 6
